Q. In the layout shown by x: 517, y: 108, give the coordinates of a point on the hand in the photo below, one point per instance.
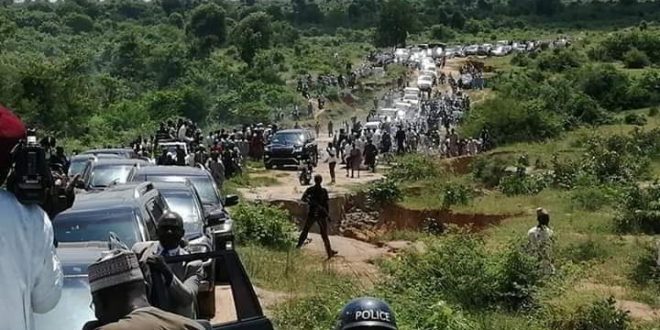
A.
x: 157, y: 263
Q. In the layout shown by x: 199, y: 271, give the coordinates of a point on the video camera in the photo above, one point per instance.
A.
x: 31, y: 179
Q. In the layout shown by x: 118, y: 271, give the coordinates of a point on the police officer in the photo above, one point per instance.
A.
x: 366, y: 314
x: 317, y: 198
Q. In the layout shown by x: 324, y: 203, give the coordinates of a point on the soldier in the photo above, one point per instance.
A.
x: 317, y: 199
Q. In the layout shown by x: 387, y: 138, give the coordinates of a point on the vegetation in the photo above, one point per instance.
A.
x: 263, y: 225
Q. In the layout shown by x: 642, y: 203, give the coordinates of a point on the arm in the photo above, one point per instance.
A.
x: 47, y: 284
x: 185, y: 292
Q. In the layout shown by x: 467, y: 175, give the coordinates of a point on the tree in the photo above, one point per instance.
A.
x: 252, y: 34
x: 207, y: 25
x: 548, y: 7
x: 636, y: 59
x: 396, y: 20
x: 457, y: 20
x: 79, y: 23
x: 171, y: 6
x: 441, y: 32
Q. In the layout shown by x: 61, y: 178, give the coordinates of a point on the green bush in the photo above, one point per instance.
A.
x: 442, y: 32
x: 640, y: 211
x: 524, y: 184
x: 634, y: 119
x: 560, y: 59
x: 263, y: 225
x: 646, y: 270
x: 520, y: 59
x: 585, y: 251
x: 636, y: 59
x: 602, y: 314
x: 594, y: 198
x: 489, y: 170
x: 654, y: 111
x: 518, y: 276
x: 383, y: 192
x: 456, y: 194
x: 415, y: 167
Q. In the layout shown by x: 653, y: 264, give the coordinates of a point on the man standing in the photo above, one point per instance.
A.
x: 180, y: 156
x: 120, y: 299
x: 540, y: 241
x: 370, y: 153
x: 317, y: 128
x: 30, y: 275
x: 217, y: 170
x: 317, y: 199
x: 330, y: 128
x: 173, y: 287
x: 400, y: 140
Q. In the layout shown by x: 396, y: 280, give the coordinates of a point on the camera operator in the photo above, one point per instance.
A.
x: 30, y: 274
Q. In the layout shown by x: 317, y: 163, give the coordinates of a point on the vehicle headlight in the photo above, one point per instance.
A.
x: 267, y: 148
x: 298, y: 149
x: 197, y: 248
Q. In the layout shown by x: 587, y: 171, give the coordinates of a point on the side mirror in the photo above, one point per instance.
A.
x: 215, y: 218
x: 231, y: 200
x: 80, y: 184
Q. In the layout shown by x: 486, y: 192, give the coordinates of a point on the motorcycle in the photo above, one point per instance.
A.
x: 305, y: 176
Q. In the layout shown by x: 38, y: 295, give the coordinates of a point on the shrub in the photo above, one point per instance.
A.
x: 636, y: 59
x: 518, y: 275
x: 489, y: 170
x: 442, y: 32
x: 560, y: 59
x: 594, y: 198
x: 601, y: 314
x: 520, y: 59
x: 433, y: 226
x: 455, y: 194
x: 523, y: 184
x: 585, y: 251
x: 415, y: 167
x: 653, y: 111
x: 263, y: 225
x: 646, y: 269
x: 634, y: 119
x: 640, y: 211
x: 383, y: 192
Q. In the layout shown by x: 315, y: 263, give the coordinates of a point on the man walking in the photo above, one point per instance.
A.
x: 317, y: 199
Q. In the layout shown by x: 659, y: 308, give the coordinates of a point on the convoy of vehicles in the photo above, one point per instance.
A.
x: 100, y: 174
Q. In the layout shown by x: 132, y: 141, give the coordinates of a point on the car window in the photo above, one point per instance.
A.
x: 151, y: 228
x: 206, y: 189
x: 103, y: 176
x: 155, y: 208
x: 96, y: 226
x: 288, y: 138
x: 77, y: 166
x: 186, y: 206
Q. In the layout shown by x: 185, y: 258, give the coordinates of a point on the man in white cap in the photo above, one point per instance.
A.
x: 119, y: 296
x: 30, y: 274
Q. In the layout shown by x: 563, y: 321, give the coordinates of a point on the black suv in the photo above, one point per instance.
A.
x: 291, y: 147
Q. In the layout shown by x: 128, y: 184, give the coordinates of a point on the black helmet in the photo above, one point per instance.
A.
x: 366, y: 313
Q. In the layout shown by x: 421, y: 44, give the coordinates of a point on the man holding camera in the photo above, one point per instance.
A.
x: 30, y: 275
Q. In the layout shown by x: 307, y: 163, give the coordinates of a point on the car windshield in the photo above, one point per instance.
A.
x: 104, y: 175
x: 203, y: 184
x: 184, y: 204
x: 77, y: 166
x: 288, y: 138
x: 96, y: 226
x: 72, y: 311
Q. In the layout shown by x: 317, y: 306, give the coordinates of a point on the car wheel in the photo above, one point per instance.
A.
x: 206, y: 302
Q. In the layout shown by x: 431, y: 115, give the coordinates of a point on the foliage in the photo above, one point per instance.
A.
x: 489, y: 170
x: 617, y: 45
x: 79, y: 23
x: 654, y: 111
x: 560, y: 59
x: 636, y: 59
x: 585, y: 251
x: 601, y: 314
x: 523, y: 184
x: 594, y: 198
x: 640, y: 211
x: 251, y: 34
x: 263, y: 225
x: 383, y: 192
x: 634, y: 119
x: 433, y: 226
x: 207, y: 25
x: 455, y: 194
x: 442, y: 32
x: 458, y: 270
x: 396, y: 20
x: 414, y: 167
x: 646, y: 269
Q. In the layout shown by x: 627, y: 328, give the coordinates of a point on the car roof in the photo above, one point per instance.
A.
x: 108, y: 150
x: 292, y: 130
x: 91, y: 156
x: 171, y: 170
x: 116, y: 198
x: 120, y: 161
x: 174, y: 186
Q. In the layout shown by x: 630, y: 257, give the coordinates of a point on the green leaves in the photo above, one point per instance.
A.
x: 252, y: 34
x: 265, y: 225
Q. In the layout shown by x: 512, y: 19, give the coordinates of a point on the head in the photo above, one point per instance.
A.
x: 318, y: 179
x: 170, y: 230
x: 11, y: 131
x: 330, y: 145
x: 366, y: 314
x: 117, y: 286
x: 60, y: 151
x: 543, y: 217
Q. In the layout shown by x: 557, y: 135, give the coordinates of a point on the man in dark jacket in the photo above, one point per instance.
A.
x: 370, y: 153
x: 317, y: 199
